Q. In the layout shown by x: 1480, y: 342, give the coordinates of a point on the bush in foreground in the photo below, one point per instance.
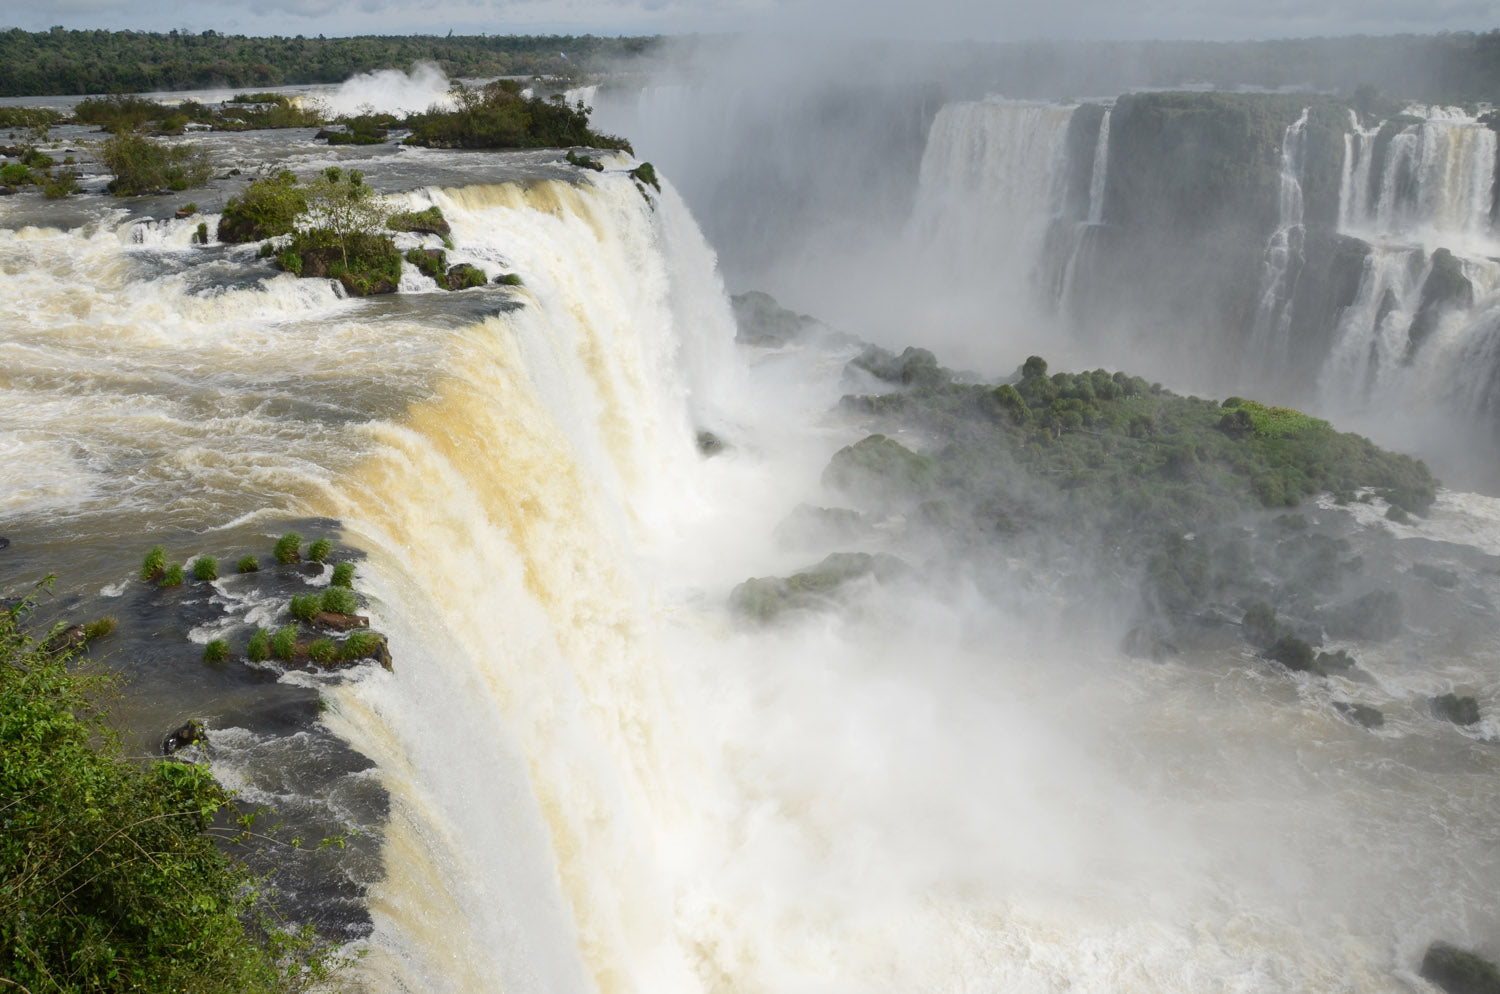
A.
x: 109, y: 879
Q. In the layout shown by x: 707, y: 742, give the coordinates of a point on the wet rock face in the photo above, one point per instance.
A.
x: 1459, y: 710
x: 182, y: 737
x: 1458, y: 971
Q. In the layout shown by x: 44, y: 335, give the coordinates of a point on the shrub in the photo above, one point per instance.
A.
x: 339, y: 600
x: 200, y: 234
x: 319, y: 550
x: 268, y: 207
x: 259, y: 648
x: 646, y: 173
x: 284, y: 642
x: 155, y: 563
x: 62, y: 184
x: 429, y: 262
x: 509, y: 279
x: 289, y: 548
x: 361, y: 645
x: 303, y: 606
x: 187, y: 210
x: 343, y: 575
x: 15, y: 174
x: 216, y: 651
x: 142, y: 165
x: 99, y: 628
x: 205, y: 568
x: 172, y: 576
x: 247, y: 564
x: 323, y: 651
x: 119, y: 113
x: 113, y: 880
x: 497, y: 116
x: 426, y: 222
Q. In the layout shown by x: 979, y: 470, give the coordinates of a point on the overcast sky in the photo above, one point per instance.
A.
x: 935, y: 19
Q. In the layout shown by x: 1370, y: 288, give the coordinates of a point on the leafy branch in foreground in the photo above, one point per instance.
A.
x: 109, y: 877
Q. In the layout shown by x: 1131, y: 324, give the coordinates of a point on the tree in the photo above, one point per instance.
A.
x: 109, y: 880
x: 349, y: 211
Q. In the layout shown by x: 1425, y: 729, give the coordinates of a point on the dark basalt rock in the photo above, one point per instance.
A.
x: 1375, y: 617
x: 340, y: 622
x: 183, y: 737
x: 1360, y: 714
x: 4, y: 542
x: 710, y: 444
x: 1459, y: 710
x: 1446, y: 289
x: 72, y: 637
x: 1458, y: 971
x: 310, y: 567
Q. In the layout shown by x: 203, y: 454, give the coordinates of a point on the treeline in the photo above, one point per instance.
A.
x: 77, y: 62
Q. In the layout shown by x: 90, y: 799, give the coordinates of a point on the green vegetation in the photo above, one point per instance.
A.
x: 1161, y: 487
x: 205, y: 568
x: 59, y: 61
x: 426, y: 222
x: 110, y: 879
x: 284, y: 643
x: 318, y: 551
x: 172, y: 576
x: 267, y: 110
x: 143, y: 165
x: 364, y: 129
x: 247, y: 564
x: 361, y: 645
x: 343, y: 240
x: 289, y: 548
x: 99, y: 628
x: 29, y: 118
x: 429, y: 262
x: 343, y: 575
x: 269, y: 206
x: 323, y: 651
x: 509, y: 279
x: 644, y: 176
x: 339, y: 600
x: 303, y: 606
x: 259, y: 648
x: 61, y: 184
x: 216, y: 651
x: 765, y: 598
x: 497, y: 116
x: 584, y: 161
x: 120, y: 113
x: 155, y: 563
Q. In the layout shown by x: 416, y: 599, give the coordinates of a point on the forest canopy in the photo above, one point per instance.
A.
x: 75, y: 62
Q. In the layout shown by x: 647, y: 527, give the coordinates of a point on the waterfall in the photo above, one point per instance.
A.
x: 990, y: 184
x: 1098, y: 174
x: 1435, y: 182
x: 1284, y: 253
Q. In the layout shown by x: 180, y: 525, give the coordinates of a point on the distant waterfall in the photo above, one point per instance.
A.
x: 1284, y: 252
x: 1099, y: 172
x: 991, y: 182
x: 1432, y: 180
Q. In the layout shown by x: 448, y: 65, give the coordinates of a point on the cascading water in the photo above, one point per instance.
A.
x: 989, y: 188
x: 1284, y: 255
x: 600, y: 781
x: 1099, y: 172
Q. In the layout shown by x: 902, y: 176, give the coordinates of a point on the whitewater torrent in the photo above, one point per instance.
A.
x: 598, y: 779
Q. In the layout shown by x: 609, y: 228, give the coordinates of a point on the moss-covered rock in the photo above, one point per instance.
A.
x: 880, y: 470
x: 765, y: 598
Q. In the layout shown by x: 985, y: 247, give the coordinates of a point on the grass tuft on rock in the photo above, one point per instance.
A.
x: 216, y: 651
x: 259, y: 648
x: 318, y: 552
x: 289, y: 548
x: 343, y: 575
x: 205, y: 568
x: 339, y: 600
x: 284, y: 643
x: 247, y: 564
x: 155, y: 564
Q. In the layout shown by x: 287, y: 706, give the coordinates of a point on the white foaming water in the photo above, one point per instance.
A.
x: 1100, y: 171
x: 389, y: 91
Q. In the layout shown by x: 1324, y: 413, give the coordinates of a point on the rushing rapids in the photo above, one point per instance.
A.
x: 596, y: 779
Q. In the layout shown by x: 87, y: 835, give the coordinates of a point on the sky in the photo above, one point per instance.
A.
x: 989, y: 20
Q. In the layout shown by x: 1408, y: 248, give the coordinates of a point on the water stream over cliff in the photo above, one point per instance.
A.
x: 595, y: 777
